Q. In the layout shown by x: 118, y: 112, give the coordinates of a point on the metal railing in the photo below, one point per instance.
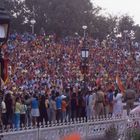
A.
x: 92, y: 128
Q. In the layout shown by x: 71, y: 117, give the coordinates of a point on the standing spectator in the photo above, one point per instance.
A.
x: 28, y: 112
x: 81, y: 105
x: 17, y: 113
x: 43, y: 110
x: 53, y: 109
x: 4, y: 118
x: 110, y: 101
x: 47, y: 105
x: 73, y: 106
x: 118, y: 106
x: 129, y: 98
x: 23, y: 111
x: 58, y: 107
x: 9, y: 109
x: 87, y: 104
x: 99, y: 102
x: 35, y: 110
x: 64, y: 106
x: 90, y: 105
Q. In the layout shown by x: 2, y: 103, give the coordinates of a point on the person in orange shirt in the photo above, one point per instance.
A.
x: 64, y: 106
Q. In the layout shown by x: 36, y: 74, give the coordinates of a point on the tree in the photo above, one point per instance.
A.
x: 125, y: 23
x: 112, y: 23
x: 62, y: 17
x: 17, y: 11
x: 102, y: 26
x: 137, y: 33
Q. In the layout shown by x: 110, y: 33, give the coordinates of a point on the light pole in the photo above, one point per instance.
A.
x: 125, y: 37
x: 131, y: 39
x: 84, y: 56
x: 84, y: 27
x: 4, y: 31
x: 33, y: 25
x: 125, y: 34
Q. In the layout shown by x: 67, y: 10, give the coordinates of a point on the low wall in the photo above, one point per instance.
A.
x: 92, y: 128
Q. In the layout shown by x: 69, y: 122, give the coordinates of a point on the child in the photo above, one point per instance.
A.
x: 64, y: 105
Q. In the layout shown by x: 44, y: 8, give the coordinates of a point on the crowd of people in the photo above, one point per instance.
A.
x: 46, y: 83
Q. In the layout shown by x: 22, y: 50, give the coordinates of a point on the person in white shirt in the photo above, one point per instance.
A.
x: 89, y: 105
x: 3, y: 106
x: 118, y: 106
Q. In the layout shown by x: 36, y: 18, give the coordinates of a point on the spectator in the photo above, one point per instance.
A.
x: 73, y: 106
x: 129, y: 98
x: 23, y: 111
x: 17, y: 113
x: 64, y: 106
x: 9, y: 110
x: 99, y: 102
x: 53, y: 109
x: 110, y: 102
x: 28, y: 112
x: 47, y: 107
x: 118, y: 106
x: 81, y: 105
x: 58, y: 107
x: 4, y: 118
x: 43, y: 110
x: 35, y: 110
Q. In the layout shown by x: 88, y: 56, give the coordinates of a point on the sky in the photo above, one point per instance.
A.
x: 120, y: 7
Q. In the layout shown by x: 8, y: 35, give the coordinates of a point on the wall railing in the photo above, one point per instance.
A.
x: 87, y: 128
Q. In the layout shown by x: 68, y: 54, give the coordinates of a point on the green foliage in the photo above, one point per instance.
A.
x: 137, y: 32
x: 126, y: 23
x: 59, y: 16
x: 104, y: 26
x: 17, y: 10
x: 65, y: 17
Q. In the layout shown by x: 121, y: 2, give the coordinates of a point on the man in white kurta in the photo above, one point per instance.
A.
x: 118, y: 105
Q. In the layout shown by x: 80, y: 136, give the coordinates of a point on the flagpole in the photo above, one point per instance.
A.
x: 117, y: 62
x: 117, y: 68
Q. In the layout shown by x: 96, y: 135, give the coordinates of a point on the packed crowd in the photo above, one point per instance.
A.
x: 46, y: 83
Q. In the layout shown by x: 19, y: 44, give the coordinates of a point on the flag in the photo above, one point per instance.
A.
x: 4, y: 70
x: 120, y: 84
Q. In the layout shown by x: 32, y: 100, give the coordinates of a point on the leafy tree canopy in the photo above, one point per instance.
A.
x: 65, y: 17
